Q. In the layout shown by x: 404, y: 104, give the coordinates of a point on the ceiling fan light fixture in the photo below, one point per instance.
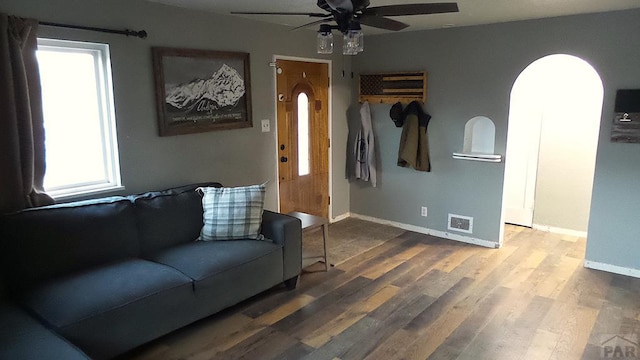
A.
x: 353, y: 40
x: 359, y: 35
x: 325, y: 40
x: 348, y: 14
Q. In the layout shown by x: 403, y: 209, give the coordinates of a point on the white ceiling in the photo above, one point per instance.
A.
x: 472, y: 12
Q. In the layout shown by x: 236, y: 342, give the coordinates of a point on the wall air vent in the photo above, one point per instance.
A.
x: 460, y: 223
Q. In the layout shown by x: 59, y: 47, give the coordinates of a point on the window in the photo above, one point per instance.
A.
x: 80, y: 133
x: 303, y: 134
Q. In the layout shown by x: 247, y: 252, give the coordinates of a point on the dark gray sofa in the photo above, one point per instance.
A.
x: 110, y: 274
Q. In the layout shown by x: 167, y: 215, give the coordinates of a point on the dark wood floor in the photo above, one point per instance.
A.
x: 420, y: 297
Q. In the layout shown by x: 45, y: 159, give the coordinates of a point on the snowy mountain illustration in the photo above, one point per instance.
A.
x: 224, y: 89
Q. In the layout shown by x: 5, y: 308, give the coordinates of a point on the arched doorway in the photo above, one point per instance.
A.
x: 554, y: 122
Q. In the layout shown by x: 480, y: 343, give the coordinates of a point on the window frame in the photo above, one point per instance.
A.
x: 106, y: 112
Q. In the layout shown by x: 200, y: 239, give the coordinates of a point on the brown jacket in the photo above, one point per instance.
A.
x: 414, y: 149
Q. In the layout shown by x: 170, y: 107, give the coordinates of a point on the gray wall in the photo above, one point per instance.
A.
x: 471, y: 72
x: 232, y: 157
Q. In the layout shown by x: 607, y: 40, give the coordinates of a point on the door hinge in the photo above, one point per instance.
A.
x: 329, y: 143
x: 329, y: 197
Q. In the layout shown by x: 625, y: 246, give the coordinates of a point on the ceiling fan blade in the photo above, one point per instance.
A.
x: 381, y: 22
x: 280, y: 13
x: 311, y: 23
x: 412, y: 9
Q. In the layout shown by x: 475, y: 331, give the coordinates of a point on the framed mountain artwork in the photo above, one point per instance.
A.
x: 201, y: 90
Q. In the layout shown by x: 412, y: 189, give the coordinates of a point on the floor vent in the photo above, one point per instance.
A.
x: 460, y: 223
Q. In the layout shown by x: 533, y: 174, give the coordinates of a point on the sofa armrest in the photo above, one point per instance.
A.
x: 22, y: 337
x: 286, y: 231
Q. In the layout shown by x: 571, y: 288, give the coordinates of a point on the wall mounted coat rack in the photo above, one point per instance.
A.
x: 389, y: 88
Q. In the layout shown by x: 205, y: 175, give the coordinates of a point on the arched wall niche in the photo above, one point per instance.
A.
x: 479, y: 141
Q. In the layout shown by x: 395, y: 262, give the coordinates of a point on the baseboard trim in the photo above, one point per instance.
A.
x: 340, y: 217
x: 490, y: 244
x: 427, y: 231
x: 612, y: 268
x: 561, y: 231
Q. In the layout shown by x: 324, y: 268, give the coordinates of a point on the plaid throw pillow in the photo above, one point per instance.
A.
x: 232, y: 213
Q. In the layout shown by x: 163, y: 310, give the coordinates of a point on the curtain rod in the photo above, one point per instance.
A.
x: 141, y: 34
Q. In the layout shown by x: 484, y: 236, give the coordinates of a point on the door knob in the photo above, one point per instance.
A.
x: 283, y: 159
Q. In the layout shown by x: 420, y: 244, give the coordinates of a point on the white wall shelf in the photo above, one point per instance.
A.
x: 478, y: 157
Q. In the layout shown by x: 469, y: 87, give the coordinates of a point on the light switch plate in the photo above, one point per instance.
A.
x: 266, y: 125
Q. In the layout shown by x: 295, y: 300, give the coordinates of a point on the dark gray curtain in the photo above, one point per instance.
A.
x: 22, y: 161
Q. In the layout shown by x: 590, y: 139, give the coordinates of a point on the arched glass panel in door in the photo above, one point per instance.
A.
x: 303, y: 134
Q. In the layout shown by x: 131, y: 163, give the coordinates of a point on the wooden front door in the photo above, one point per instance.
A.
x: 303, y: 140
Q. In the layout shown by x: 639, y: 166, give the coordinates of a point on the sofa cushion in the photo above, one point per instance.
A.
x: 110, y: 309
x: 22, y: 337
x: 226, y: 272
x: 232, y: 213
x: 169, y: 217
x: 44, y: 243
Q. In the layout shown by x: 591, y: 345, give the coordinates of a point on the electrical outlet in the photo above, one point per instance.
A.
x: 423, y: 211
x: 266, y: 126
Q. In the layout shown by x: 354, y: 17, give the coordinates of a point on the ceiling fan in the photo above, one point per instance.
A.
x: 348, y: 15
